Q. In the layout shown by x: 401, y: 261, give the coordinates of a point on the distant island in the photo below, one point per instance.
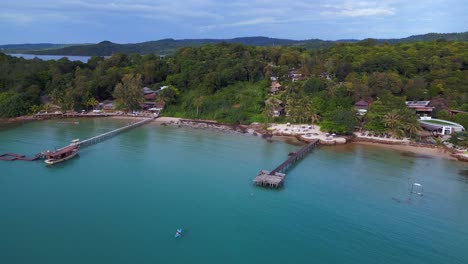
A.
x: 169, y: 46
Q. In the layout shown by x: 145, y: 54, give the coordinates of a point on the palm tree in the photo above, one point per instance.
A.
x: 412, y: 128
x: 392, y: 120
x: 268, y: 112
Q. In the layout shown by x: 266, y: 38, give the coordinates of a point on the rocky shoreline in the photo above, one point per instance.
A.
x: 257, y: 130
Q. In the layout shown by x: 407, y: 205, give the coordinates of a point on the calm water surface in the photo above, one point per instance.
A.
x: 51, y: 57
x: 122, y: 200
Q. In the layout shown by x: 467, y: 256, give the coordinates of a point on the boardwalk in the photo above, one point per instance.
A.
x: 275, y: 178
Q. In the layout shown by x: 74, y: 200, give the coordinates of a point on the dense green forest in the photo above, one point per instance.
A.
x: 230, y: 83
x: 169, y: 46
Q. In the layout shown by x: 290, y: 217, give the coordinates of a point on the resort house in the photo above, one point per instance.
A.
x: 295, y: 76
x: 149, y: 93
x: 361, y: 107
x: 275, y: 87
x: 439, y: 126
x: 276, y: 106
x: 421, y: 108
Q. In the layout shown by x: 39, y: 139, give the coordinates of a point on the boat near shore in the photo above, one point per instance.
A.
x: 62, y: 154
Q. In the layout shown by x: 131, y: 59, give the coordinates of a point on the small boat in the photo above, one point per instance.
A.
x: 178, y: 233
x: 62, y: 154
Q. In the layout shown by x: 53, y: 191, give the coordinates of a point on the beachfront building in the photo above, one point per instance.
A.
x: 107, y: 105
x: 422, y: 108
x: 440, y: 127
x: 276, y: 106
x: 149, y: 94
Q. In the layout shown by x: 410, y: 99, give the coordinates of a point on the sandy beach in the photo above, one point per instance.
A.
x: 438, y: 152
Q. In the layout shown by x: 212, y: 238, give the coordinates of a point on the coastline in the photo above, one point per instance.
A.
x: 13, y: 121
x: 422, y: 151
x: 256, y: 129
x: 413, y: 149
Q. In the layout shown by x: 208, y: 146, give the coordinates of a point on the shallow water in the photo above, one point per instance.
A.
x: 122, y: 200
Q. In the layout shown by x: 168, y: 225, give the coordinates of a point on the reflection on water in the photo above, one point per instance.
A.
x: 415, y: 155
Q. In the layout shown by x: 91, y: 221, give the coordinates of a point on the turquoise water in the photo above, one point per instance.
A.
x: 122, y: 200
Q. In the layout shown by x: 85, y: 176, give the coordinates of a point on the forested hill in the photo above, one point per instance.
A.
x: 169, y: 46
x: 431, y: 37
x: 162, y: 47
x: 24, y: 48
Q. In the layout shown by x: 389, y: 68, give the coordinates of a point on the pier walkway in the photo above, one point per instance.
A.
x: 275, y: 178
x: 113, y: 133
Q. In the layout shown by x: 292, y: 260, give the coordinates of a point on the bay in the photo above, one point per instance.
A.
x: 122, y: 200
x: 51, y: 57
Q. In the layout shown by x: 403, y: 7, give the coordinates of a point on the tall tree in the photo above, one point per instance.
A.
x: 129, y: 91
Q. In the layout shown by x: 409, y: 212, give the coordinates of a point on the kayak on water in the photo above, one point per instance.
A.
x: 178, y: 233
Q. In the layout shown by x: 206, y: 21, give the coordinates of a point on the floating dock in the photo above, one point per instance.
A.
x: 276, y: 177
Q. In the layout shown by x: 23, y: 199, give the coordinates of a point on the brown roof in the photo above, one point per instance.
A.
x: 275, y: 84
x: 361, y: 103
x: 423, y: 109
x: 150, y: 96
x: 62, y: 151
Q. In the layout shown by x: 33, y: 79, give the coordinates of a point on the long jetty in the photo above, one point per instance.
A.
x: 83, y: 143
x: 113, y: 133
x: 276, y: 177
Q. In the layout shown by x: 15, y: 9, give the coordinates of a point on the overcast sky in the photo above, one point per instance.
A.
x: 130, y: 21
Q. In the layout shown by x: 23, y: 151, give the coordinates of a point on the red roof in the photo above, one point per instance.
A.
x: 423, y: 109
x: 150, y: 96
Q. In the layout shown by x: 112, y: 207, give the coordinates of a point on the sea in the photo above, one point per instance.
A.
x: 122, y: 200
x: 51, y: 57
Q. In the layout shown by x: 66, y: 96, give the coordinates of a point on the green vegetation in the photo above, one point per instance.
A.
x: 169, y: 46
x: 459, y: 139
x: 231, y: 82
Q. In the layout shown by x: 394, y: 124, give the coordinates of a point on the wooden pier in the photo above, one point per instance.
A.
x: 275, y: 178
x: 113, y: 133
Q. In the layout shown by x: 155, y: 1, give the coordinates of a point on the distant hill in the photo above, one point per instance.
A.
x: 22, y: 48
x: 430, y: 37
x: 162, y: 47
x: 169, y: 46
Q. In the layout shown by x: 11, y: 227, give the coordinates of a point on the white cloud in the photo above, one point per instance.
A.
x: 16, y: 18
x: 358, y: 9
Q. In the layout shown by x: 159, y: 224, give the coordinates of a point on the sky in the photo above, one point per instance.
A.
x: 131, y: 21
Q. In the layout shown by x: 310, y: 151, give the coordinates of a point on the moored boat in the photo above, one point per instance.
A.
x: 62, y: 154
